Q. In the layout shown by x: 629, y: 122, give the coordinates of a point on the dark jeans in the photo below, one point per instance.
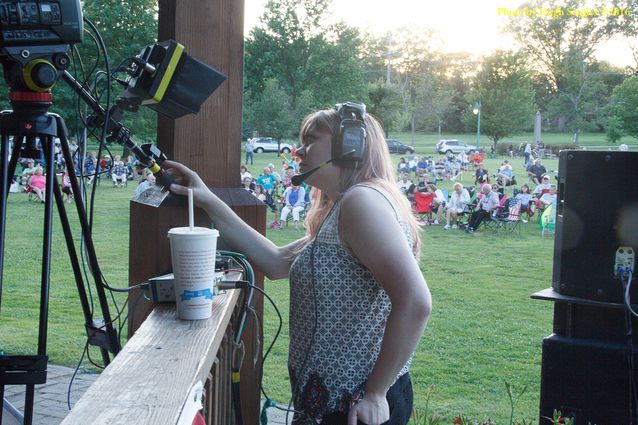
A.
x: 400, y: 398
x: 477, y: 218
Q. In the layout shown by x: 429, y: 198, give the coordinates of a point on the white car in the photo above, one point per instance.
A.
x: 268, y: 144
x: 453, y: 146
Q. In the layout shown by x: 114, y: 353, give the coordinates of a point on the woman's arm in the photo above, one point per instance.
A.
x: 369, y: 229
x: 274, y: 261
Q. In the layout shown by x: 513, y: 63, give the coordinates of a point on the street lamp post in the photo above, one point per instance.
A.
x: 477, y: 112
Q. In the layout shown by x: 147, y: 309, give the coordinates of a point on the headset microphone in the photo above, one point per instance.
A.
x: 300, y: 178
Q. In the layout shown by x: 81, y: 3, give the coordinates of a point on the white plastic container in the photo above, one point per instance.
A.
x: 193, y: 256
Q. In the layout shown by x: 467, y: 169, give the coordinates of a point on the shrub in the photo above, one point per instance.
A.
x: 557, y: 148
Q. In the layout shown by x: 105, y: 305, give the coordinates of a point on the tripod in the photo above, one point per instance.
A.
x: 30, y: 120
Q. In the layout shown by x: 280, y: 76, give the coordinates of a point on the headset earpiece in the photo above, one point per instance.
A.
x: 349, y: 141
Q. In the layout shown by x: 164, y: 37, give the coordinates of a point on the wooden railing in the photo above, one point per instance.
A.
x: 151, y: 379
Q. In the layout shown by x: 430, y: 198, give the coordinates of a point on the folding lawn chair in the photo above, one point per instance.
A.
x: 422, y: 208
x: 508, y: 221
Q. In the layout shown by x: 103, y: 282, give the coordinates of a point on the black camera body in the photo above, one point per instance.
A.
x: 37, y: 23
x: 35, y: 37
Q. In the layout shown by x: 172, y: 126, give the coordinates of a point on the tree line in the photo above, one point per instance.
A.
x: 297, y: 60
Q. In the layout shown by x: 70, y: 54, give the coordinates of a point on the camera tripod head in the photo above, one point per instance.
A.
x: 34, y: 68
x: 35, y: 38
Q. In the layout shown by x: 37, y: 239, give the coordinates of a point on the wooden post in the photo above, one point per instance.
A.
x: 209, y: 143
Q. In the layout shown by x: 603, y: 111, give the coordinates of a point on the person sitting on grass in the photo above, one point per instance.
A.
x: 243, y: 172
x: 505, y: 174
x: 544, y: 187
x: 146, y: 184
x: 488, y: 203
x: 438, y: 203
x: 524, y: 197
x: 402, y: 166
x: 267, y: 181
x: 454, y: 169
x: 481, y: 175
x: 464, y: 160
x: 28, y: 170
x: 548, y: 198
x: 405, y: 184
x: 38, y: 183
x: 119, y: 173
x: 422, y: 166
x: 295, y: 200
x: 66, y: 185
x: 439, y: 170
x: 536, y: 171
x: 249, y: 185
x: 458, y: 202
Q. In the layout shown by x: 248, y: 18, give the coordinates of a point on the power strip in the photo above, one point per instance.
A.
x: 162, y: 288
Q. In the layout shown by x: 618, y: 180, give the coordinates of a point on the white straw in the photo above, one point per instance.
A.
x: 191, y: 214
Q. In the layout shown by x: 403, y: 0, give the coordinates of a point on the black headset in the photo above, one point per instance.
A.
x: 349, y: 140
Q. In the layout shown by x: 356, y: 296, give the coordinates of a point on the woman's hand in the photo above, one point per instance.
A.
x: 185, y: 179
x: 371, y: 410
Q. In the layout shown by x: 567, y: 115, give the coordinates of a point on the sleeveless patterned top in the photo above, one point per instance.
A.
x: 338, y: 314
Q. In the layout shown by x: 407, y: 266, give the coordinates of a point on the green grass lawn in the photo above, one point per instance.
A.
x: 484, y: 329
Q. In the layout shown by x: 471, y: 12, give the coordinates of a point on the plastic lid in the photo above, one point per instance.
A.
x: 197, y: 231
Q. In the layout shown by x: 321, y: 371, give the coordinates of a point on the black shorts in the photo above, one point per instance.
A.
x: 400, y: 399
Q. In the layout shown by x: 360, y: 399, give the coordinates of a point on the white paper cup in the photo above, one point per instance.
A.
x: 193, y: 256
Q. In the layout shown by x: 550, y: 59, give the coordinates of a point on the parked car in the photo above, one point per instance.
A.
x: 453, y: 146
x: 268, y: 144
x: 394, y: 146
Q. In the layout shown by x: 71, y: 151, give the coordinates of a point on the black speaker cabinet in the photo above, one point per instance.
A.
x: 597, y: 212
x: 585, y: 379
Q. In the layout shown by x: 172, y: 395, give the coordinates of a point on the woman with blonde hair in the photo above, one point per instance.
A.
x: 358, y: 300
x: 459, y: 199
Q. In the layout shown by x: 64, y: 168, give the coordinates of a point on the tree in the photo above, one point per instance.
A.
x: 385, y: 102
x: 315, y: 64
x: 126, y: 26
x: 504, y: 88
x: 562, y: 48
x: 459, y: 69
x: 624, y: 109
x: 272, y: 112
x: 412, y: 62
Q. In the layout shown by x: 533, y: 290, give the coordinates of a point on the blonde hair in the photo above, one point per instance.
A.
x: 375, y: 168
x: 457, y: 184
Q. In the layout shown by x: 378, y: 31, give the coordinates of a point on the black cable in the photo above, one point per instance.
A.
x: 88, y: 356
x: 68, y: 392
x: 629, y: 313
x: 100, y: 43
x: 131, y: 309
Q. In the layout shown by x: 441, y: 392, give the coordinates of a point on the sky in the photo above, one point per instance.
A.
x: 461, y: 25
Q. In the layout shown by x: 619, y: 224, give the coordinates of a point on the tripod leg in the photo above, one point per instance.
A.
x: 108, y: 326
x: 77, y: 270
x: 6, y: 172
x: 47, y: 145
x: 70, y: 243
x: 29, y: 399
x: 4, y: 183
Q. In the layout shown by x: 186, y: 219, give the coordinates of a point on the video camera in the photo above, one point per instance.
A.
x: 40, y: 22
x: 35, y: 37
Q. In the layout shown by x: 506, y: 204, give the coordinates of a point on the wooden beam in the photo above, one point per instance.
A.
x: 209, y: 143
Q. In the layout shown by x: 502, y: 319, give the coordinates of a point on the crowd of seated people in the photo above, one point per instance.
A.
x: 278, y: 192
x: 474, y: 203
